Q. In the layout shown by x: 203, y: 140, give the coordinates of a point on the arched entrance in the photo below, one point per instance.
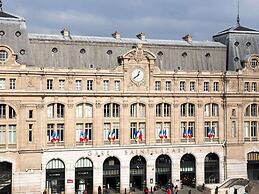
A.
x: 188, y: 170
x: 84, y: 176
x: 138, y: 173
x: 163, y: 170
x: 211, y: 168
x: 111, y: 174
x: 253, y: 166
x: 5, y: 178
x: 55, y: 176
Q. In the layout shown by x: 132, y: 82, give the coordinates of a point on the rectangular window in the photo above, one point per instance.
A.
x: 78, y: 85
x: 117, y: 85
x: 167, y: 110
x: 60, y: 110
x: 106, y: 85
x: 89, y: 85
x: 157, y: 85
x: 2, y: 111
x: 216, y: 86
x: 30, y: 114
x: 246, y: 129
x: 55, y: 134
x: 206, y: 86
x: 253, y: 128
x: 49, y: 84
x: 106, y: 130
x: 2, y: 134
x: 254, y: 87
x: 30, y: 132
x: 182, y: 86
x: 88, y: 111
x: 192, y: 86
x: 159, y: 132
x: 133, y: 110
x: 168, y: 85
x: 2, y: 83
x: 12, y: 134
x: 142, y: 110
x: 85, y: 134
x: 115, y: 130
x: 234, y: 129
x: 133, y: 129
x: 61, y: 84
x: 246, y: 87
x: 12, y: 84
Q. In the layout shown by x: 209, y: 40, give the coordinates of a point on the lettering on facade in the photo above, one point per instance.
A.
x: 154, y: 151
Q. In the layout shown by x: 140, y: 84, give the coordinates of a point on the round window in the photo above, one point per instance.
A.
x: 3, y: 55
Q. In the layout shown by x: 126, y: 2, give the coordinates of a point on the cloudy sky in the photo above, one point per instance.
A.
x: 160, y: 19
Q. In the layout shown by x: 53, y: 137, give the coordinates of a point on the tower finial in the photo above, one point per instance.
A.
x: 1, y: 5
x: 238, y: 18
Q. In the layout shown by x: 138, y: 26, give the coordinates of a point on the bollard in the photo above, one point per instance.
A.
x: 125, y: 191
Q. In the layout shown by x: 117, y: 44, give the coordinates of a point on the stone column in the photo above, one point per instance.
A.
x: 176, y: 169
x: 98, y: 124
x: 125, y: 176
x: 199, y: 169
x: 70, y: 179
x: 199, y: 133
x: 151, y: 172
x: 97, y: 175
x: 69, y: 125
x: 150, y: 124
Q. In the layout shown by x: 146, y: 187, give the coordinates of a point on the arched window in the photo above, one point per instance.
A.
x: 187, y: 110
x: 187, y: 122
x: 55, y: 128
x: 7, y: 125
x: 211, y: 122
x: 211, y: 168
x: 84, y: 110
x: 111, y: 110
x: 111, y: 173
x: 251, y: 121
x: 211, y: 110
x: 56, y: 110
x: 138, y: 110
x: 163, y: 110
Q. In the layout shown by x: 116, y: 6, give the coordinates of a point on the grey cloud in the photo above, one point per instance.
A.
x: 163, y: 19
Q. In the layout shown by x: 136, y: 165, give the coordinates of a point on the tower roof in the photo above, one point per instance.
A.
x: 7, y: 15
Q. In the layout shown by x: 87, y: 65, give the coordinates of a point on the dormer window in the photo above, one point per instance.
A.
x: 3, y: 56
x: 254, y: 63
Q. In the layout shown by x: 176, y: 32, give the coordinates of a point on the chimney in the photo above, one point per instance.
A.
x: 116, y: 35
x: 141, y: 36
x: 66, y: 33
x: 188, y: 38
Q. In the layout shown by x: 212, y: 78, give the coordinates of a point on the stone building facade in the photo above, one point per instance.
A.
x: 80, y: 112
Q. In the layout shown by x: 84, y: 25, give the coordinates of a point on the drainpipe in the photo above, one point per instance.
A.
x: 224, y: 144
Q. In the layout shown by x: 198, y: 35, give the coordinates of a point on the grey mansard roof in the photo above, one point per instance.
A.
x: 171, y: 51
x: 241, y: 42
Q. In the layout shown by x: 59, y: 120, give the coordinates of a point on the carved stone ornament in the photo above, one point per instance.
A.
x: 139, y: 54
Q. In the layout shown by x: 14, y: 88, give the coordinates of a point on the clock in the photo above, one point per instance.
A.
x: 137, y: 75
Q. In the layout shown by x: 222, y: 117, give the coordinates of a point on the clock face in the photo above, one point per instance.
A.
x: 137, y: 75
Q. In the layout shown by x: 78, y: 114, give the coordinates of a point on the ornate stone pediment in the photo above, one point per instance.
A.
x: 139, y: 55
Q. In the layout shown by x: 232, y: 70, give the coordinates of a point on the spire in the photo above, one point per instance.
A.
x: 238, y: 18
x: 1, y: 6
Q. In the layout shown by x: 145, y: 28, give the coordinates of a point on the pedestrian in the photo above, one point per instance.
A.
x: 168, y: 190
x: 176, y: 189
x: 99, y: 190
x: 146, y: 190
x: 45, y: 191
x: 190, y: 191
x: 216, y: 190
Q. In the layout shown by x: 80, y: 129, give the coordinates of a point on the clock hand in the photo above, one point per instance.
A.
x: 137, y: 75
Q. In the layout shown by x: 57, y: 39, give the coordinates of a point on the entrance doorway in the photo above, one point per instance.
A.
x: 5, y: 178
x: 211, y: 170
x: 111, y: 175
x: 188, y: 170
x: 84, y: 176
x: 55, y: 177
x: 138, y: 173
x: 253, y: 166
x: 163, y: 170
